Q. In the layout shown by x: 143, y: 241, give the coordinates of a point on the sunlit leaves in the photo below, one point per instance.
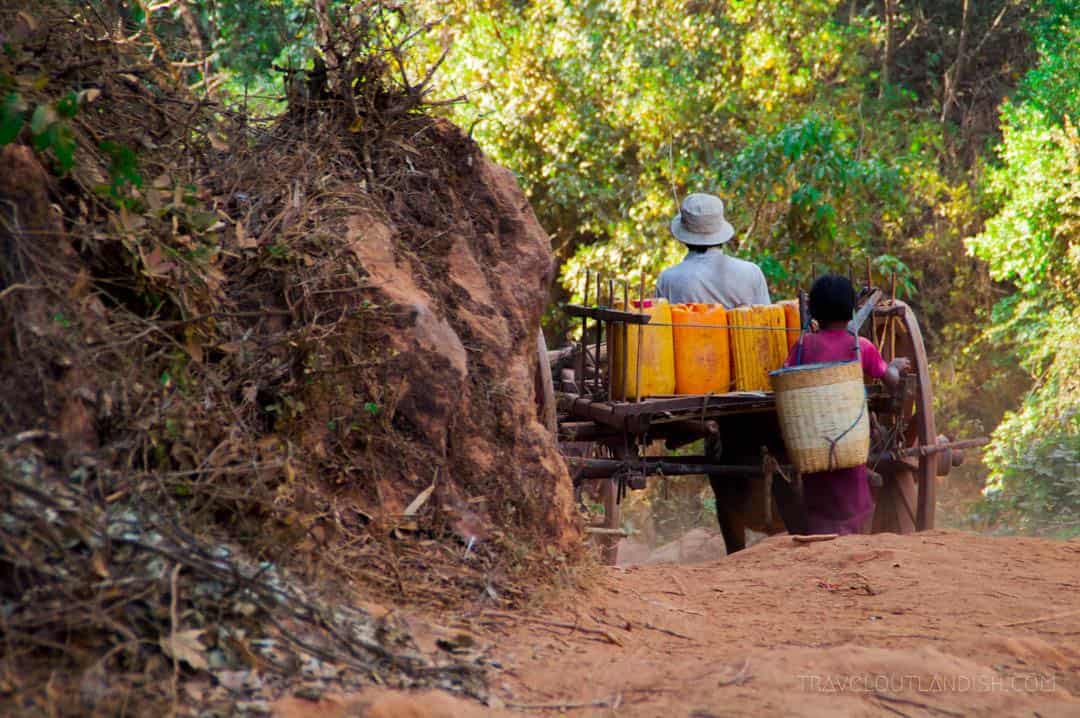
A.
x: 1030, y: 241
x: 610, y: 111
x: 805, y: 196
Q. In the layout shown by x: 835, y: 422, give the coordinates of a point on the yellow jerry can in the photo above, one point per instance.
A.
x: 657, y: 354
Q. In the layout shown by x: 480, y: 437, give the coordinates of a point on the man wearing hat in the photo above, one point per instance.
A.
x: 708, y: 275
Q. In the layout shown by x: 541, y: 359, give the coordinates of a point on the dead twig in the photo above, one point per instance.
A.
x: 1039, y: 619
x: 813, y: 538
x: 174, y: 621
x: 24, y: 436
x: 16, y: 287
x: 742, y: 676
x: 668, y: 631
x: 678, y: 582
x: 562, y: 706
x: 908, y: 702
x: 559, y: 624
x: 893, y: 710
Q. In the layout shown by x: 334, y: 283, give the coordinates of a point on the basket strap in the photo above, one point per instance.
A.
x: 862, y: 410
x: 845, y: 432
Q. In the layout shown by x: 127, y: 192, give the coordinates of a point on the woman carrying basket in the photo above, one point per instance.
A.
x: 839, y: 501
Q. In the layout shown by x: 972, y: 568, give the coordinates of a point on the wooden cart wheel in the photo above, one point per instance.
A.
x: 546, y: 409
x: 905, y: 502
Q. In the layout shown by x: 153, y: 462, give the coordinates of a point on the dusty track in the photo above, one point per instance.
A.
x: 936, y: 624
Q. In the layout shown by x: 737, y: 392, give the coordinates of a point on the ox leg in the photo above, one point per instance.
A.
x: 731, y: 498
x: 789, y: 503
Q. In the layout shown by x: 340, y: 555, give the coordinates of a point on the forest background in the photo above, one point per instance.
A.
x: 936, y: 139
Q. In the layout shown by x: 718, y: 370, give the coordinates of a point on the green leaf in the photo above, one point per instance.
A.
x: 68, y: 105
x: 63, y: 145
x: 12, y: 116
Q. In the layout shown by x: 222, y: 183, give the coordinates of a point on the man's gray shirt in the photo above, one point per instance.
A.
x: 713, y: 277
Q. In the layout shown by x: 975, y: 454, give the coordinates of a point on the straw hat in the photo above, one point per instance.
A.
x: 700, y: 221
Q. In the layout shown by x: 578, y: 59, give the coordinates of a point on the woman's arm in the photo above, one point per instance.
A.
x: 897, y: 368
x: 874, y: 366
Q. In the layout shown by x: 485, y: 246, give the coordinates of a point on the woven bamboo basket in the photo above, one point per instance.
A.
x: 823, y: 416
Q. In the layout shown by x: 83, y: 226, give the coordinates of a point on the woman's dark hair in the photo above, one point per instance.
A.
x: 832, y: 298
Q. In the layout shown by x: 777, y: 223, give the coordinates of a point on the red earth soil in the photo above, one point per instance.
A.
x: 941, y: 623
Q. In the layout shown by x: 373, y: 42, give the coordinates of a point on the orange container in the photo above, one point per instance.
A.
x: 702, y: 351
x: 792, y: 321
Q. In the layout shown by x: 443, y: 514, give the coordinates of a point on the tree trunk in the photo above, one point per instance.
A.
x: 198, y: 42
x: 889, y: 13
x: 954, y: 73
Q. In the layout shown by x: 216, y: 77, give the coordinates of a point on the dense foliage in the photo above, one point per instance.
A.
x: 1033, y: 242
x: 836, y: 132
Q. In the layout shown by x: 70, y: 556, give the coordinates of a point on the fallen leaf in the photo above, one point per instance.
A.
x: 218, y: 142
x: 97, y: 562
x: 420, y: 500
x: 30, y: 20
x: 406, y: 146
x: 129, y: 222
x: 196, y: 690
x: 156, y: 263
x: 194, y: 350
x: 243, y: 239
x: 185, y: 646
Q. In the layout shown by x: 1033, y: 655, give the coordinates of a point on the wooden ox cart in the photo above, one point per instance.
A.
x: 612, y: 443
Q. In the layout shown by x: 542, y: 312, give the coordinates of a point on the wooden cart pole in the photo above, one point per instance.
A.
x: 891, y: 320
x: 624, y: 349
x: 640, y: 336
x: 599, y: 331
x: 580, y: 378
x: 610, y: 326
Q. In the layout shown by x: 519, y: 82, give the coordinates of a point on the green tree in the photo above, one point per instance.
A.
x: 1033, y: 242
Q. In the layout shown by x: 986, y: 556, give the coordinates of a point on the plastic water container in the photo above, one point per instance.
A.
x: 792, y: 321
x: 758, y: 344
x: 702, y: 353
x: 657, y: 354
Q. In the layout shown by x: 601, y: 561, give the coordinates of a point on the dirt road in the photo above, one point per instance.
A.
x: 935, y: 624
